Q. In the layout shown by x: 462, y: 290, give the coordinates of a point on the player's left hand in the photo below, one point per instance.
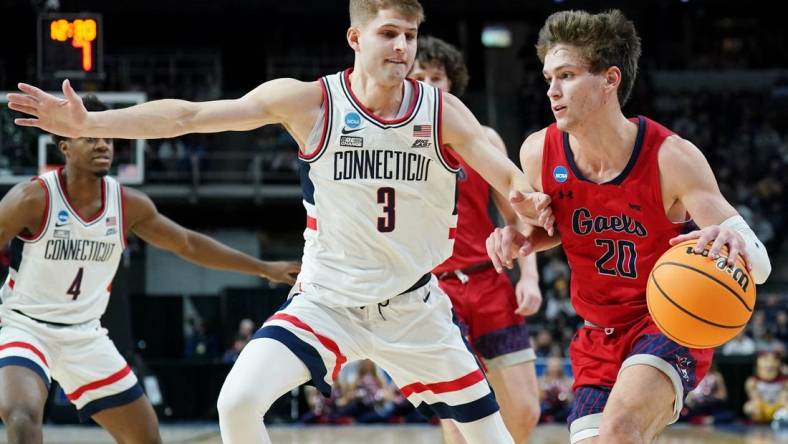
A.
x: 529, y: 297
x: 281, y: 271
x: 720, y: 237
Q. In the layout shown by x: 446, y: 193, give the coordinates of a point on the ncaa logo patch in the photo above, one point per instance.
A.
x: 352, y: 120
x: 560, y: 174
x: 62, y: 216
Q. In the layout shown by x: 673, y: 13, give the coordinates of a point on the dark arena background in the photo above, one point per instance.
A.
x: 714, y: 71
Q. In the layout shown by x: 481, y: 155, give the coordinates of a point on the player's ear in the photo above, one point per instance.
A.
x: 62, y: 146
x: 612, y: 77
x: 352, y: 38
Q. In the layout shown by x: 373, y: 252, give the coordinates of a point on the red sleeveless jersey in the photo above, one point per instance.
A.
x: 612, y: 233
x: 474, y: 223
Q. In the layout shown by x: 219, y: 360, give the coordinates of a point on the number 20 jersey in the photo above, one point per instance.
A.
x: 613, y: 232
x: 63, y: 273
x: 380, y: 196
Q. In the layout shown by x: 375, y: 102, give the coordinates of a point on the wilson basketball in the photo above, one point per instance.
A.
x: 699, y: 302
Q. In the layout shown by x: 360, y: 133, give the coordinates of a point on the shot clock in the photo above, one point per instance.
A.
x: 70, y: 45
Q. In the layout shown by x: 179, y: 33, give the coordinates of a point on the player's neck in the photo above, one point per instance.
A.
x: 603, y: 143
x: 83, y: 188
x: 382, y: 100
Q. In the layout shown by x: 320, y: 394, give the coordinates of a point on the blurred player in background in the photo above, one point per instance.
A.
x: 68, y: 229
x: 621, y: 190
x: 483, y: 299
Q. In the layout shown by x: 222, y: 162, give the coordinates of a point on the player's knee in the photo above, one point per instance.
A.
x: 524, y: 416
x: 22, y: 420
x: 619, y: 428
x: 143, y: 437
x: 233, y: 402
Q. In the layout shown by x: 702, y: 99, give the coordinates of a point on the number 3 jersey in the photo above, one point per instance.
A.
x: 380, y: 196
x: 63, y: 273
x: 613, y: 232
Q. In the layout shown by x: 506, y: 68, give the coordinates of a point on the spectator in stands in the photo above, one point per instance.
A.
x: 366, y: 392
x: 767, y: 390
x: 555, y: 392
x: 198, y: 343
x: 740, y: 345
x: 705, y: 404
x: 232, y: 353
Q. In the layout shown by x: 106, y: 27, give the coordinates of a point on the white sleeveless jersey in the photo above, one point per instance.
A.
x: 64, y: 272
x: 380, y: 196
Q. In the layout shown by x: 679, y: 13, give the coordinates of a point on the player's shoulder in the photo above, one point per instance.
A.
x: 136, y: 203
x: 30, y: 193
x: 675, y: 151
x: 532, y: 147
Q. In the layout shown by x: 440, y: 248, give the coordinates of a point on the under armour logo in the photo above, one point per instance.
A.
x: 568, y: 194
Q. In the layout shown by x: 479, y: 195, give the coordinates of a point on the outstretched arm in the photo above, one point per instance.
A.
x: 465, y: 135
x: 688, y: 179
x: 144, y: 220
x: 275, y: 101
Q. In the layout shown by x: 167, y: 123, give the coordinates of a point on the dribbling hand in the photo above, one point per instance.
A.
x: 719, y: 237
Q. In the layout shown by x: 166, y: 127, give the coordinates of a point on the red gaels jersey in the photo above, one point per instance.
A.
x: 613, y: 232
x: 474, y: 223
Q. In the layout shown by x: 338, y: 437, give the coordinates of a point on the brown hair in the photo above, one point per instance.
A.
x: 362, y: 11
x: 604, y: 40
x: 436, y: 51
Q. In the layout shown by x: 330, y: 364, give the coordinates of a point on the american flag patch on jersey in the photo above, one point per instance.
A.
x: 422, y: 130
x: 111, y: 221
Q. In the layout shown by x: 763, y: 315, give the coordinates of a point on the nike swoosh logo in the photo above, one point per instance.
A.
x: 58, y: 224
x: 348, y: 131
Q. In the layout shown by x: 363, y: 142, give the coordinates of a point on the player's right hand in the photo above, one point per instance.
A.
x: 281, y: 271
x: 506, y: 244
x: 64, y: 117
x: 534, y: 208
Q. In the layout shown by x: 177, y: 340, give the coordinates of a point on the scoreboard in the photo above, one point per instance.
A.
x: 70, y: 45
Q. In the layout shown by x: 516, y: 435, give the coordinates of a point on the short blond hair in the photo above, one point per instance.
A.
x: 362, y: 11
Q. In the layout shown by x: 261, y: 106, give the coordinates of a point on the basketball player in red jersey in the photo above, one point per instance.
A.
x: 51, y: 327
x: 484, y: 300
x: 621, y: 191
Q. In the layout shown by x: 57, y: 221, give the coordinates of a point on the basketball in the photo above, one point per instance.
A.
x: 698, y: 302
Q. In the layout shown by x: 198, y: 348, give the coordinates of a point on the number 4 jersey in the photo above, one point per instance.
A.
x: 380, y: 196
x: 613, y: 232
x: 63, y: 273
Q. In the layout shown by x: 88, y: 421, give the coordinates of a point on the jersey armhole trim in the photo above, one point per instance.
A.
x: 328, y: 113
x: 122, y: 216
x: 45, y: 218
x: 438, y: 134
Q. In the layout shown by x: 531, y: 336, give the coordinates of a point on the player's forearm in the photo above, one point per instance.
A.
x: 151, y: 120
x: 528, y: 269
x: 206, y: 252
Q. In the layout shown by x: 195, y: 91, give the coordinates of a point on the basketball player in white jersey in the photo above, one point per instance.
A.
x: 379, y: 197
x: 68, y: 230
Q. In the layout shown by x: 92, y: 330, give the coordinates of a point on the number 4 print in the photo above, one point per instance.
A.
x: 74, y: 289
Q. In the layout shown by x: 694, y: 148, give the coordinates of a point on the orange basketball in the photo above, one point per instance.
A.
x: 696, y: 301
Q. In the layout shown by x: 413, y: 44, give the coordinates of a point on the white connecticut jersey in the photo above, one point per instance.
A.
x: 63, y: 273
x: 380, y: 196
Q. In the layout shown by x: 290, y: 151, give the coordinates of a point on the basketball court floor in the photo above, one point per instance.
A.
x: 421, y: 434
